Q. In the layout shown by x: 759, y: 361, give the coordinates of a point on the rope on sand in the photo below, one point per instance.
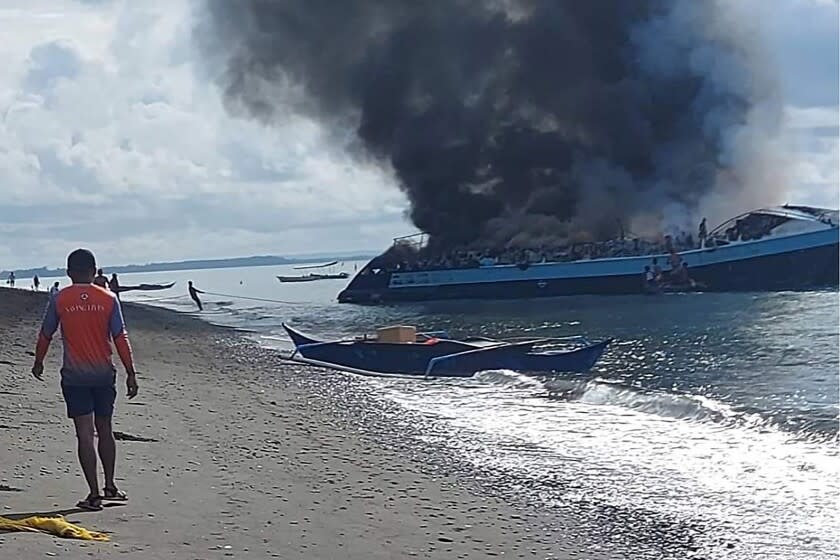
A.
x: 255, y: 298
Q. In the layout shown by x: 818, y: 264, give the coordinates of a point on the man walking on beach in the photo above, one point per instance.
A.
x: 194, y: 295
x: 114, y: 285
x: 89, y: 317
x: 54, y: 290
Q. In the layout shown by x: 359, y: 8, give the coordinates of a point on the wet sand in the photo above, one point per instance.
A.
x: 246, y: 462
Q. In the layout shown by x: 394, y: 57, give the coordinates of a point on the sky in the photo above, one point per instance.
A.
x: 113, y: 137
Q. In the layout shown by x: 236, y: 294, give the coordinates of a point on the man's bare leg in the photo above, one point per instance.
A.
x: 107, y: 448
x: 87, y: 451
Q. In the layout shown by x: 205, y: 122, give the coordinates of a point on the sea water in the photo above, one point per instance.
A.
x: 716, y: 411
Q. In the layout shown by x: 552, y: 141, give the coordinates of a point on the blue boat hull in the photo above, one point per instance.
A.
x: 574, y: 361
x: 800, y: 269
x: 444, y: 358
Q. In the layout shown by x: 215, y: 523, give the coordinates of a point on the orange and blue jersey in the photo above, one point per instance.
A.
x: 89, y: 318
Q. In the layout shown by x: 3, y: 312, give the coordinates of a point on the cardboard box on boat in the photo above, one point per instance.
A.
x: 398, y: 334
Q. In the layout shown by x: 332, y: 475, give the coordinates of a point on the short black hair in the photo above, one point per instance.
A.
x: 81, y: 260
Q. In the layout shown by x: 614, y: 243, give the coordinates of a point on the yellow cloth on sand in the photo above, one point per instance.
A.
x: 57, y: 526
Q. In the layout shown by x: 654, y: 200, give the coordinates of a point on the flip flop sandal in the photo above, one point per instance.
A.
x: 115, y: 495
x: 91, y: 503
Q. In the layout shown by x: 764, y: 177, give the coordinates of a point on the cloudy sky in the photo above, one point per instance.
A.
x: 112, y: 137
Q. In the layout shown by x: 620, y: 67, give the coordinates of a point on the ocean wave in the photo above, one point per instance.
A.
x: 508, y: 378
x: 678, y: 406
x: 696, y: 408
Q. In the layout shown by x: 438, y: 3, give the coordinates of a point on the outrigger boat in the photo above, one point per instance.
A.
x: 307, y: 278
x: 313, y: 276
x: 400, y: 351
x: 145, y: 287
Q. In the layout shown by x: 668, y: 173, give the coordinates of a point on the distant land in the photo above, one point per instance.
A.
x: 236, y: 262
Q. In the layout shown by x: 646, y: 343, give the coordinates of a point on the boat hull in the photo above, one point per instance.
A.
x: 313, y: 277
x: 145, y: 287
x: 297, y: 279
x: 775, y: 265
x: 444, y: 358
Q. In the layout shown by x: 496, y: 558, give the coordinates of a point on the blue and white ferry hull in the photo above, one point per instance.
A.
x: 800, y: 261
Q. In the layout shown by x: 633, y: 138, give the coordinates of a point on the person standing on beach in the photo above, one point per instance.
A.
x: 54, y: 290
x: 194, y: 295
x: 11, y: 280
x: 114, y: 285
x: 89, y: 318
x: 100, y: 280
x: 36, y: 283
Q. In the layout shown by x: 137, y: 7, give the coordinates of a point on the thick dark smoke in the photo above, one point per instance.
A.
x: 509, y: 121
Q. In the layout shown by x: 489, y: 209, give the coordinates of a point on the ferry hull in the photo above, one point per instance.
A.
x: 799, y: 269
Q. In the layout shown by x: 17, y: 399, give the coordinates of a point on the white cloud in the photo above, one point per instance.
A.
x: 111, y: 138
x: 108, y: 139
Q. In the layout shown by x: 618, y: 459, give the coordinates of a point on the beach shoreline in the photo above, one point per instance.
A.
x: 250, y: 459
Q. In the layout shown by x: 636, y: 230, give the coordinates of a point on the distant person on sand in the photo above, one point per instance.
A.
x: 11, y: 280
x: 36, y: 283
x: 54, y: 290
x: 114, y: 285
x: 194, y: 295
x: 89, y: 319
x: 101, y: 280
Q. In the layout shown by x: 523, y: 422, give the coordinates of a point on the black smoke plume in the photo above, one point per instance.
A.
x: 508, y: 121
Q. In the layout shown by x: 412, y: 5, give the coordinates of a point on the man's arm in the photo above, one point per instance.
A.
x: 120, y: 337
x: 48, y: 327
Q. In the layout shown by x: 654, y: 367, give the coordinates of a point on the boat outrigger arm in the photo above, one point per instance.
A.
x: 486, y: 349
x: 311, y: 266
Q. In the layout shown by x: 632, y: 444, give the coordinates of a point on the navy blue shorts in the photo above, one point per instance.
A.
x: 81, y: 399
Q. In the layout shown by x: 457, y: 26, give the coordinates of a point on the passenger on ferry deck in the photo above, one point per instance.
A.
x: 657, y: 270
x: 680, y: 275
x: 675, y: 261
x: 701, y: 233
x: 650, y: 280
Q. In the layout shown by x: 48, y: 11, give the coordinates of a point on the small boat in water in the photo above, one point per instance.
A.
x: 307, y: 278
x: 312, y: 277
x: 401, y: 351
x: 146, y: 287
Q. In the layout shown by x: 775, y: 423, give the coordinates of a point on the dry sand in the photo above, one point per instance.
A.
x: 241, y: 467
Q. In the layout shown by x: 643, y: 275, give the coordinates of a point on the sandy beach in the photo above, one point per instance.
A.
x: 247, y: 460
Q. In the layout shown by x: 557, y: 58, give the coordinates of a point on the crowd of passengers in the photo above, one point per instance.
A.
x: 749, y: 228
x: 467, y: 258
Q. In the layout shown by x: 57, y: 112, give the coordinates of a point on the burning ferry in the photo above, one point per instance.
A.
x: 780, y: 248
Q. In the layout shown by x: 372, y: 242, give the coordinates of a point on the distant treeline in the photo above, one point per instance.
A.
x: 237, y: 262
